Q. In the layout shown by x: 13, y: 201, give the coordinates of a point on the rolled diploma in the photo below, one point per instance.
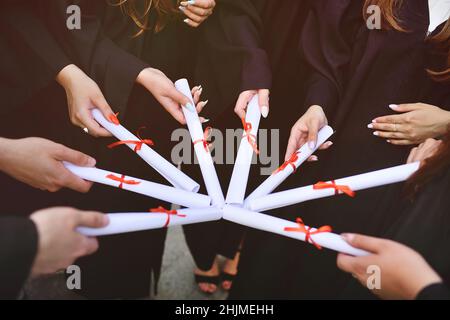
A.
x: 171, y: 173
x: 241, y: 169
x: 204, y: 158
x: 276, y: 225
x: 358, y: 182
x: 139, y: 221
x: 272, y: 182
x: 151, y: 189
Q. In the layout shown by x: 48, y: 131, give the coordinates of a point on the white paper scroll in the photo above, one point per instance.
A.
x: 439, y: 12
x: 355, y: 183
x: 241, y: 170
x: 203, y: 155
x: 139, y: 221
x: 272, y: 182
x: 154, y: 159
x: 276, y: 225
x: 151, y: 189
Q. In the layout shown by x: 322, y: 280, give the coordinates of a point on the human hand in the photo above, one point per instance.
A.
x: 246, y: 96
x: 197, y: 11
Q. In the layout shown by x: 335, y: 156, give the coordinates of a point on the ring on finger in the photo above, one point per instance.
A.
x: 86, y: 130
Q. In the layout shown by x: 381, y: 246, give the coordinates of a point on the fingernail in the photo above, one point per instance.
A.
x: 264, y: 111
x: 92, y: 162
x: 191, y: 2
x: 203, y: 120
x: 311, y: 145
x: 190, y: 107
x: 370, y: 126
x: 348, y: 237
x: 204, y: 103
x: 314, y: 158
x: 113, y: 118
x: 393, y: 106
x: 376, y: 133
x: 374, y: 121
x: 388, y: 141
x: 200, y: 90
x: 181, y: 8
x: 186, y: 20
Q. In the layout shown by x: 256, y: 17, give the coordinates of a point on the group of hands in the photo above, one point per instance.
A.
x: 38, y: 163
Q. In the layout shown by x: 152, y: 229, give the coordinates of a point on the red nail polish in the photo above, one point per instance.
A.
x: 113, y: 118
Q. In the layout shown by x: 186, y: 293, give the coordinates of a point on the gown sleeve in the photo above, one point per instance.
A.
x: 326, y: 47
x: 18, y: 247
x: 232, y: 49
x: 437, y: 291
x: 113, y: 68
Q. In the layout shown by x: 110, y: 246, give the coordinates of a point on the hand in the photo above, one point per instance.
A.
x: 59, y: 244
x: 424, y: 150
x: 38, y: 163
x: 165, y: 92
x: 416, y: 123
x: 245, y: 98
x: 404, y: 273
x: 197, y: 11
x: 305, y: 130
x: 83, y: 95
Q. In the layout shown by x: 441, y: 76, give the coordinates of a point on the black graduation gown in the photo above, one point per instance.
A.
x: 250, y: 45
x: 356, y: 74
x: 18, y: 247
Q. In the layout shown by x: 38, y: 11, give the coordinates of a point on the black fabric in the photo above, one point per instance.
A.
x: 436, y: 291
x: 18, y: 247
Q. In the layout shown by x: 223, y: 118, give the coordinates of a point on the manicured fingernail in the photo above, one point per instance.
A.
x: 388, y: 141
x: 203, y: 120
x: 204, y: 103
x: 264, y: 111
x: 200, y: 90
x: 190, y: 107
x: 376, y: 133
x: 191, y: 2
x: 311, y: 145
x: 348, y: 237
x: 181, y: 8
x: 370, y: 126
x: 374, y: 121
x: 329, y: 143
x: 91, y: 162
x: 113, y: 118
x: 313, y: 158
x: 186, y: 20
x: 393, y: 106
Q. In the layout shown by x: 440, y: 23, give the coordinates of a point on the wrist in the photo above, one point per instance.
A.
x: 6, y: 147
x: 68, y: 76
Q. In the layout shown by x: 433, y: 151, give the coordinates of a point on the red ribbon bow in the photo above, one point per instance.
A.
x: 307, y: 231
x: 332, y: 185
x: 251, y: 138
x: 113, y: 118
x: 204, y: 141
x: 291, y: 162
x: 138, y: 143
x: 122, y: 180
x: 168, y: 212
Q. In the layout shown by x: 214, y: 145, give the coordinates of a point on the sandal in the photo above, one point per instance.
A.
x: 208, y: 280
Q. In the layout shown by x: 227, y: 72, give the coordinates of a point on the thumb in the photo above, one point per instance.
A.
x: 101, y: 103
x: 76, y: 157
x: 92, y: 219
x: 370, y: 244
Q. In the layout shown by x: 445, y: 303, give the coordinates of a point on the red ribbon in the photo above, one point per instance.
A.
x: 138, y: 143
x: 332, y: 185
x: 122, y: 180
x: 168, y: 212
x: 307, y: 231
x: 291, y: 162
x: 113, y: 118
x: 251, y: 138
x: 204, y: 141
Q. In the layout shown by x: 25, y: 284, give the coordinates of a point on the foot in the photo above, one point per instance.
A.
x: 230, y: 267
x: 213, y: 272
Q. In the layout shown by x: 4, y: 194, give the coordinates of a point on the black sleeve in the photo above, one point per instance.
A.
x: 437, y: 291
x: 326, y: 47
x: 98, y: 56
x: 232, y: 49
x: 18, y: 247
x: 30, y: 57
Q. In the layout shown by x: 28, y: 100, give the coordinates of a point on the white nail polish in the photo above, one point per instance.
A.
x: 190, y: 107
x: 205, y: 103
x: 181, y: 8
x: 370, y: 126
x: 311, y: 145
x: 186, y: 20
x: 265, y: 111
x: 191, y: 2
x: 205, y: 120
x: 393, y: 106
x: 376, y: 133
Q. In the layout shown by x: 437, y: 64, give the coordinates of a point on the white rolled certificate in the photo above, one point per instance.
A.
x: 289, y: 167
x: 290, y: 229
x: 159, y: 218
x: 172, y: 174
x: 155, y: 190
x: 201, y: 147
x: 326, y: 189
x: 248, y: 146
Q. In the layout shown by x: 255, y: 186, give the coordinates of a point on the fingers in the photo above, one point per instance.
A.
x: 313, y: 129
x: 101, y: 103
x: 78, y: 158
x: 400, y: 142
x: 205, y: 4
x: 412, y: 155
x: 242, y: 102
x: 407, y: 107
x: 293, y: 145
x: 92, y: 219
x: 263, y: 98
x: 198, y: 11
x: 196, y: 93
x: 390, y: 135
x: 326, y: 145
x: 174, y: 109
x: 201, y: 105
x: 191, y: 23
x: 90, y: 245
x: 346, y: 263
x: 370, y: 244
x: 398, y: 119
x: 394, y: 127
x: 86, y: 120
x: 178, y: 97
x: 313, y: 158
